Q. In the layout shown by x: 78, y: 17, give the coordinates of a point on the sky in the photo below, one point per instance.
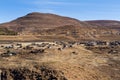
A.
x: 79, y: 9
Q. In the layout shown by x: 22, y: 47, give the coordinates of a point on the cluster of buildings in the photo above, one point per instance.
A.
x: 100, y: 43
x: 57, y: 44
x: 38, y: 47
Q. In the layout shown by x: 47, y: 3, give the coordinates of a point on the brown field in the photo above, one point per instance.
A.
x: 75, y: 63
x: 35, y: 38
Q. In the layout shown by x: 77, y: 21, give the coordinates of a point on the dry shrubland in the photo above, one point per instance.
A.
x: 75, y: 63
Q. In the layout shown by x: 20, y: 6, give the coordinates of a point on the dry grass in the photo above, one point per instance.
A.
x: 81, y: 66
x: 36, y: 38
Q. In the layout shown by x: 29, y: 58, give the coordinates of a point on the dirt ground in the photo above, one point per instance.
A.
x: 75, y: 63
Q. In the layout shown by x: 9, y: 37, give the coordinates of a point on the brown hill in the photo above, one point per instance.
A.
x: 38, y: 21
x: 45, y: 24
x: 105, y: 23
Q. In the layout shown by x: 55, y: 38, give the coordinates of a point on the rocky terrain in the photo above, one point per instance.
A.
x: 43, y: 46
x: 106, y: 23
x: 59, y: 61
x: 54, y: 26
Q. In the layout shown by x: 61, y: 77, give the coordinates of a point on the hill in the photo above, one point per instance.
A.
x: 38, y: 21
x: 55, y: 26
x: 106, y: 23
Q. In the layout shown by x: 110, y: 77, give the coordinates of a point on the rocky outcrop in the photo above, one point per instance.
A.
x: 42, y: 73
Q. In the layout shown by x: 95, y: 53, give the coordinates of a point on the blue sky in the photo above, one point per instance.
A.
x: 79, y: 9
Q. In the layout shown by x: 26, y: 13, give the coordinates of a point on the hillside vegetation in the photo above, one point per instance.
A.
x: 5, y: 31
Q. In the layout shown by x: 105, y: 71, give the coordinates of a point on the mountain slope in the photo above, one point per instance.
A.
x: 105, y: 23
x: 55, y: 26
x: 37, y: 21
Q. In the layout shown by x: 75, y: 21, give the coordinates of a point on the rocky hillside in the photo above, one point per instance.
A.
x: 75, y: 62
x: 105, y: 23
x: 43, y: 24
x: 38, y: 21
x: 5, y: 31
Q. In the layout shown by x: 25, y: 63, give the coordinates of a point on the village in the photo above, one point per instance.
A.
x: 14, y: 48
x: 23, y: 58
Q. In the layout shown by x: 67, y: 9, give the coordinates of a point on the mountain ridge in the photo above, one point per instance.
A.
x: 36, y: 23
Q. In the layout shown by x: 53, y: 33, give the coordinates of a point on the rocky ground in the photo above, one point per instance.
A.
x: 73, y: 63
